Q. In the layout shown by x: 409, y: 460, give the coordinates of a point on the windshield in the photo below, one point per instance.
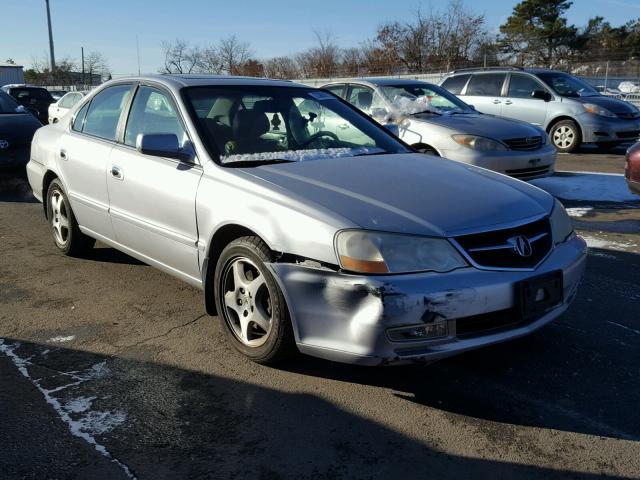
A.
x: 413, y: 98
x: 7, y: 104
x: 258, y: 124
x: 567, y: 85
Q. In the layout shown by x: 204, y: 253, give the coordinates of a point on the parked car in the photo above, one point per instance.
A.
x: 569, y: 109
x: 57, y: 94
x: 434, y: 121
x: 62, y: 106
x: 351, y: 248
x: 632, y: 168
x: 37, y: 98
x: 17, y: 126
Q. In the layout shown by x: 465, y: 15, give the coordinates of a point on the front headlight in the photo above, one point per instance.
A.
x: 598, y: 110
x: 476, y: 142
x: 365, y: 251
x: 561, y: 224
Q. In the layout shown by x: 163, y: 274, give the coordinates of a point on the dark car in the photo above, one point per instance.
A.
x: 17, y: 127
x: 632, y: 168
x: 37, y: 98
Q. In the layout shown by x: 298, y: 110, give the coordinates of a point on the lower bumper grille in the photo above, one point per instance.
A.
x: 528, y: 172
x: 632, y: 134
x: 492, y: 322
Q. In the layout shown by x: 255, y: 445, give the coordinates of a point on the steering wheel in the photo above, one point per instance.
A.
x: 320, y: 134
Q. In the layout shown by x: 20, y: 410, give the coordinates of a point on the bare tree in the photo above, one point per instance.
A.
x: 322, y: 60
x: 282, y: 67
x: 180, y: 57
x: 95, y: 64
x: 233, y: 54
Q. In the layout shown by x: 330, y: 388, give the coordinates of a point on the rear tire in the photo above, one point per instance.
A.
x: 64, y: 227
x: 251, y: 305
x: 565, y: 136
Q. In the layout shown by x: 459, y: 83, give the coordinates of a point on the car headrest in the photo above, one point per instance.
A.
x: 365, y: 99
x: 250, y: 124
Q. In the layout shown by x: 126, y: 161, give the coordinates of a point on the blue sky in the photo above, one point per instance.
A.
x: 272, y: 27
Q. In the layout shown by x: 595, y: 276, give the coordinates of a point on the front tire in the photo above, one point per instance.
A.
x: 565, y: 136
x: 64, y: 227
x: 252, y: 307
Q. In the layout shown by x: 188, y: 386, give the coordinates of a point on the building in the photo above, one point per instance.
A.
x: 10, y: 73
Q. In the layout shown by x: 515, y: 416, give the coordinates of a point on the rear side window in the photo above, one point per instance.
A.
x: 104, y: 112
x: 456, y: 84
x: 78, y: 121
x: 336, y: 89
x: 522, y: 86
x: 487, y: 84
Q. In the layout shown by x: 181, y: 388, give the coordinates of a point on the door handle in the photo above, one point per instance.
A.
x: 63, y: 154
x: 343, y: 126
x: 116, y: 172
x: 496, y: 101
x: 508, y: 102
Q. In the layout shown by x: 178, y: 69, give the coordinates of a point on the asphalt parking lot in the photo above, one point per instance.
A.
x: 110, y: 369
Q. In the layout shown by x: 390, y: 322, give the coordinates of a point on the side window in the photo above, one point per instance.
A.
x: 455, y: 84
x: 361, y: 97
x: 104, y: 112
x: 68, y: 100
x: 78, y: 121
x: 336, y: 89
x: 522, y: 86
x: 152, y: 112
x: 486, y: 84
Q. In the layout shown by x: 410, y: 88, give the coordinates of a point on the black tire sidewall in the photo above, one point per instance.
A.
x: 577, y: 136
x: 276, y: 344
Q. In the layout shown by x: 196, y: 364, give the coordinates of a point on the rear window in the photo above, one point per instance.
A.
x: 37, y: 93
x: 455, y: 84
x: 486, y: 84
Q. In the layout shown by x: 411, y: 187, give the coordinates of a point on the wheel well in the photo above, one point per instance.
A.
x: 223, y: 237
x: 46, y: 181
x: 560, y: 119
x: 418, y: 146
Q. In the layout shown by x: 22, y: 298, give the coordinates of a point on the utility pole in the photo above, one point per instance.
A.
x: 51, y: 54
x: 138, y: 53
x: 83, y: 80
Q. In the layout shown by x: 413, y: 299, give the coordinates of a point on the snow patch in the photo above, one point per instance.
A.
x: 603, y: 243
x: 579, y: 211
x: 61, y: 339
x: 87, y: 425
x: 587, y: 186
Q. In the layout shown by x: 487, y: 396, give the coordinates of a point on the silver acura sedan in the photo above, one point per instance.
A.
x: 356, y: 250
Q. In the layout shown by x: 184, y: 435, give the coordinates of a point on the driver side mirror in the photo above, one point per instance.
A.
x: 162, y: 145
x: 541, y: 95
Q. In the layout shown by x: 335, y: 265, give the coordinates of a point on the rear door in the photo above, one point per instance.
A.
x: 484, y: 91
x: 152, y: 199
x: 519, y: 103
x: 84, y: 154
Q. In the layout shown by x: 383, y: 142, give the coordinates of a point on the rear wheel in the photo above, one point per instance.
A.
x: 565, y: 136
x: 66, y: 233
x: 253, y: 310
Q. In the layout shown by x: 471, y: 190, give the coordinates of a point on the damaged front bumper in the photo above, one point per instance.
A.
x: 348, y: 318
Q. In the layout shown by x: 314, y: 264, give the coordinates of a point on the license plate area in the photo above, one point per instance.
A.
x: 537, y: 295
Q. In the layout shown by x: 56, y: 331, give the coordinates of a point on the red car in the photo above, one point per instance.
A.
x: 632, y: 168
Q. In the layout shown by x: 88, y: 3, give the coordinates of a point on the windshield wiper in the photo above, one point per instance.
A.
x: 363, y: 154
x: 425, y: 111
x: 257, y: 163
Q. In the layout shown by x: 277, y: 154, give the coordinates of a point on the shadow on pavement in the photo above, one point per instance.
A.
x: 184, y: 424
x: 14, y: 186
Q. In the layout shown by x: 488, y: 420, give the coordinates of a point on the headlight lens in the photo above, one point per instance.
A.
x: 376, y: 252
x: 475, y: 142
x: 561, y: 224
x: 598, y: 110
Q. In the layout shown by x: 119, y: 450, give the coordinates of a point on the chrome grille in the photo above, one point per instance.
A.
x: 524, y: 143
x: 525, y: 173
x: 499, y: 249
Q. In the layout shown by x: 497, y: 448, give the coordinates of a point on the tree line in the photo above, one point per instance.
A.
x: 537, y: 33
x: 68, y: 71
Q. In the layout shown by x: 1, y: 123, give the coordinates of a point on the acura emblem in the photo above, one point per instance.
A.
x: 521, y: 246
x: 530, y: 140
x: 4, y: 144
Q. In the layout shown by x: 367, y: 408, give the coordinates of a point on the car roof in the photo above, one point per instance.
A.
x: 469, y: 71
x: 178, y: 81
x: 380, y: 82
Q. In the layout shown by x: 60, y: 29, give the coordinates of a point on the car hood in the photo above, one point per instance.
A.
x: 480, y: 124
x: 18, y: 128
x: 614, y: 105
x: 409, y: 193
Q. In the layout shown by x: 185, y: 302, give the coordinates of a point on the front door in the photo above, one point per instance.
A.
x: 152, y: 199
x: 484, y: 92
x: 519, y: 103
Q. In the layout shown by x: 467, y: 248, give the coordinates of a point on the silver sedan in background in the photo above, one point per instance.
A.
x: 341, y: 244
x: 434, y: 121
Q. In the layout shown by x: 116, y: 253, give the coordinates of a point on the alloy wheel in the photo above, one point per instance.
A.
x: 59, y: 218
x: 563, y: 136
